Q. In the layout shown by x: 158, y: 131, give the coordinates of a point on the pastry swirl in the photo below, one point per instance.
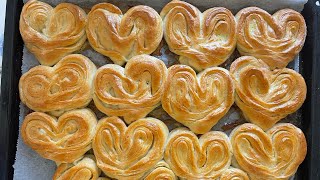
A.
x: 84, y: 169
x: 275, y: 154
x: 63, y: 140
x: 198, y: 101
x: 129, y: 152
x: 192, y: 158
x: 160, y: 172
x: 131, y: 92
x: 234, y: 174
x: 65, y: 86
x: 52, y: 33
x: 266, y: 96
x: 203, y: 39
x: 120, y: 37
x: 275, y: 39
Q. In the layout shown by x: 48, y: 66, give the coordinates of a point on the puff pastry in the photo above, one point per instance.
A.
x: 160, y: 172
x: 52, y: 33
x: 192, y: 158
x: 275, y: 39
x: 63, y: 140
x: 131, y: 92
x: 203, y: 39
x: 275, y: 154
x: 120, y: 37
x: 198, y: 101
x: 66, y: 86
x: 234, y: 174
x: 84, y: 169
x: 266, y: 96
x: 129, y: 152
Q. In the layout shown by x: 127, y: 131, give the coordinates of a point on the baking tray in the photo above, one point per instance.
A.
x: 11, y: 72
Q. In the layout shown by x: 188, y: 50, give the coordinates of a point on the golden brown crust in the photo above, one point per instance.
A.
x: 275, y: 39
x: 161, y: 171
x: 198, y: 101
x: 52, y: 33
x: 63, y: 140
x: 275, y: 154
x: 84, y: 169
x: 129, y: 152
x: 131, y: 92
x: 120, y: 37
x: 65, y: 86
x: 192, y: 158
x: 263, y: 95
x: 203, y: 39
x: 234, y: 174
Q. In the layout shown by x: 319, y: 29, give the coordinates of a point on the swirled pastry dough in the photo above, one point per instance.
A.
x: 266, y: 96
x: 192, y: 158
x: 201, y: 39
x: 198, y: 101
x: 275, y: 154
x: 131, y: 92
x: 234, y: 174
x: 84, y: 169
x: 275, y: 39
x: 63, y: 140
x: 129, y: 152
x: 120, y: 37
x: 161, y: 171
x: 66, y: 86
x: 52, y: 33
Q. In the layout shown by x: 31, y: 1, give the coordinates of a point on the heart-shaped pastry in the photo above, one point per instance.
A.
x: 203, y: 39
x: 129, y: 152
x: 66, y: 86
x: 198, y: 101
x: 63, y: 140
x: 192, y: 158
x: 131, y: 92
x: 161, y: 171
x: 52, y: 33
x: 234, y: 174
x: 275, y: 154
x: 120, y: 37
x: 275, y: 39
x: 84, y: 169
x: 266, y: 96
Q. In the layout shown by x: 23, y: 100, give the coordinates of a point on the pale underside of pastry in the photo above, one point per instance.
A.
x: 122, y: 36
x: 276, y: 39
x: 192, y: 158
x: 198, y: 101
x: 129, y: 152
x: 161, y: 171
x: 234, y: 174
x: 52, y: 33
x: 202, y: 40
x: 62, y: 140
x: 274, y: 154
x: 266, y: 96
x: 131, y: 92
x: 65, y: 86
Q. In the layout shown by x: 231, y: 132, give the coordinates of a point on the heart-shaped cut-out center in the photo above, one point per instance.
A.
x: 131, y: 151
x: 266, y: 96
x: 193, y: 158
x: 275, y: 154
x: 201, y: 39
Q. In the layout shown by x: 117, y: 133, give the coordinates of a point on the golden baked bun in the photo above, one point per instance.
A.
x: 129, y: 152
x: 131, y: 92
x: 234, y: 174
x: 266, y: 96
x: 65, y: 86
x: 52, y: 33
x: 161, y: 171
x: 192, y: 158
x: 275, y: 39
x: 63, y: 140
x: 198, y: 101
x: 203, y: 39
x: 275, y: 154
x: 84, y: 169
x: 120, y: 37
